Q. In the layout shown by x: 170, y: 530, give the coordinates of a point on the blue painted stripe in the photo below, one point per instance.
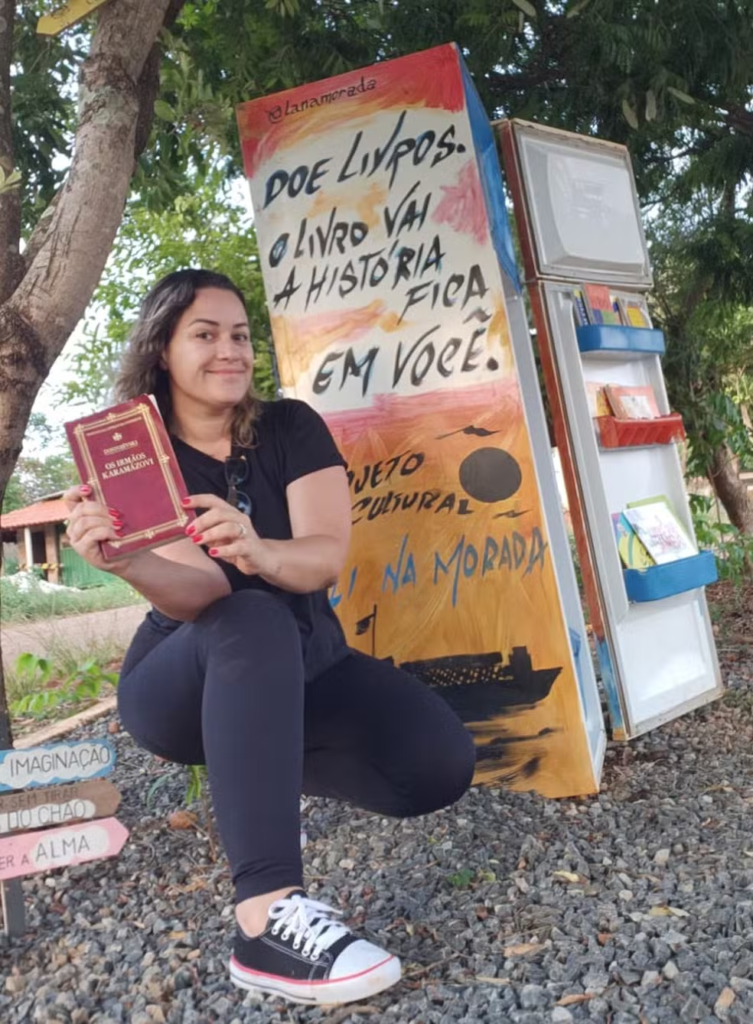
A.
x: 609, y: 683
x: 491, y: 177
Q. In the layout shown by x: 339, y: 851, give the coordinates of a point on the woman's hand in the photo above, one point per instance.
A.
x: 90, y: 524
x: 228, y: 534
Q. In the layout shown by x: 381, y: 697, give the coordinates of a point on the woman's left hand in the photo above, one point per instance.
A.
x: 227, y: 532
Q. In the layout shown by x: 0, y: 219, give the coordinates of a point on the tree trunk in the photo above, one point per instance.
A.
x: 724, y: 476
x: 63, y: 261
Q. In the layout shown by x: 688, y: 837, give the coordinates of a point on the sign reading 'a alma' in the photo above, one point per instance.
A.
x: 32, y: 852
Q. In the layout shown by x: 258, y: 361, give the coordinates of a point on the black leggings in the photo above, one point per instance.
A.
x: 228, y: 691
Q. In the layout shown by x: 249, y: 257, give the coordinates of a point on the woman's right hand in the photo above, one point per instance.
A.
x: 90, y: 524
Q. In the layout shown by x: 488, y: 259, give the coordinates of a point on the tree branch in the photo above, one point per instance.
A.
x: 67, y: 260
x: 738, y: 118
x: 148, y: 86
x: 11, y: 264
x: 147, y: 90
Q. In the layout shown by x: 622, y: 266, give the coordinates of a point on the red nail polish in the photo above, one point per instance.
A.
x: 119, y: 531
x: 190, y: 529
x: 196, y: 540
x: 185, y: 501
x: 213, y: 551
x: 114, y: 512
x: 85, y: 489
x: 118, y: 524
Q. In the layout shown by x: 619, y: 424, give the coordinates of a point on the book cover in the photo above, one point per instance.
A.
x: 124, y: 454
x: 580, y: 308
x: 598, y: 403
x: 633, y: 309
x: 600, y: 304
x: 632, y: 551
x: 633, y: 402
x: 660, y: 530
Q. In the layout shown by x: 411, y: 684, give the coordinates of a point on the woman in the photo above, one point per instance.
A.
x: 241, y: 664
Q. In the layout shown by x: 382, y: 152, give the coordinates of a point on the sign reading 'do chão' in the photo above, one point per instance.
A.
x: 59, y: 805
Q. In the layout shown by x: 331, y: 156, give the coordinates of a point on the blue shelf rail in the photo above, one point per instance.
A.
x: 618, y: 338
x: 658, y: 581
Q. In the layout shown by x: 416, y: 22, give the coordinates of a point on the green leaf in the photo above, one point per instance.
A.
x: 157, y: 784
x: 650, y: 105
x: 164, y: 111
x: 630, y: 115
x: 38, y: 703
x: 461, y: 879
x: 26, y: 662
x: 197, y: 775
x: 680, y: 95
x: 33, y: 668
x: 526, y: 7
x: 9, y: 181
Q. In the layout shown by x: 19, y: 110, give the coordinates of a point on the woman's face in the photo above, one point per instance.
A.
x: 209, y: 358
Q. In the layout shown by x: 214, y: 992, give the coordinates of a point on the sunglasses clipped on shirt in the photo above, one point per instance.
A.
x: 236, y: 473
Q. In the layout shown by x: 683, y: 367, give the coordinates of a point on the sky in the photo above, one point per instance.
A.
x: 49, y: 403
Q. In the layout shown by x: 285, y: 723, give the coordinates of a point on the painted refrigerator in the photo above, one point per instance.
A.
x: 396, y: 312
x: 589, y: 274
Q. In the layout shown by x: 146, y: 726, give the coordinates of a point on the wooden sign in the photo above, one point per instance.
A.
x: 59, y: 762
x: 69, y: 14
x: 60, y: 805
x: 33, y: 852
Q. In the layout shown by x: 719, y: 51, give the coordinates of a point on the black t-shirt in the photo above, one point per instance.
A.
x: 292, y: 441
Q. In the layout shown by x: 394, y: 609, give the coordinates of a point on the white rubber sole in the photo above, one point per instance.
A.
x: 320, y: 993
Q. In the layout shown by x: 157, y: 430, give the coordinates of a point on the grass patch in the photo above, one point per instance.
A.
x: 70, y: 678
x: 29, y: 599
x: 65, y: 658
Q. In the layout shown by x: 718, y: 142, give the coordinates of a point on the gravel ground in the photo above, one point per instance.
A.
x: 636, y: 905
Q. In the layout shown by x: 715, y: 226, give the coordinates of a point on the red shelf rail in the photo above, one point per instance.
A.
x: 616, y: 433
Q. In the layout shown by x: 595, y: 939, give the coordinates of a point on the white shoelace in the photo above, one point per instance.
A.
x: 310, y: 921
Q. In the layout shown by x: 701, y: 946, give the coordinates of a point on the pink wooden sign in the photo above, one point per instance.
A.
x: 32, y: 852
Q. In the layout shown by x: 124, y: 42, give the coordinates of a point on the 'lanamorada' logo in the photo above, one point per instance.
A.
x: 276, y: 114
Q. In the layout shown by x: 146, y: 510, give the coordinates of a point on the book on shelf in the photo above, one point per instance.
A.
x: 633, y: 309
x: 659, y: 529
x: 632, y: 402
x: 579, y: 308
x: 632, y: 550
x: 599, y: 304
x: 596, y: 304
x: 124, y: 454
x: 596, y: 395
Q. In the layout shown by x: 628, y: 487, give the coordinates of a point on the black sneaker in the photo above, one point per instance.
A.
x: 307, y: 956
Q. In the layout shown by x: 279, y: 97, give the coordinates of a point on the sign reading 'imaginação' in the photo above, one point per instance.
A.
x: 60, y: 762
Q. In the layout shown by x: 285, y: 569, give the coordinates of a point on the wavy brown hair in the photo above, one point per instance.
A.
x: 140, y: 371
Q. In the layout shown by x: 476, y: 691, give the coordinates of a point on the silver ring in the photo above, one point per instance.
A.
x: 241, y: 531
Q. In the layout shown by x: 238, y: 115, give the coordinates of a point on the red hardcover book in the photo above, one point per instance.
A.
x: 124, y: 454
